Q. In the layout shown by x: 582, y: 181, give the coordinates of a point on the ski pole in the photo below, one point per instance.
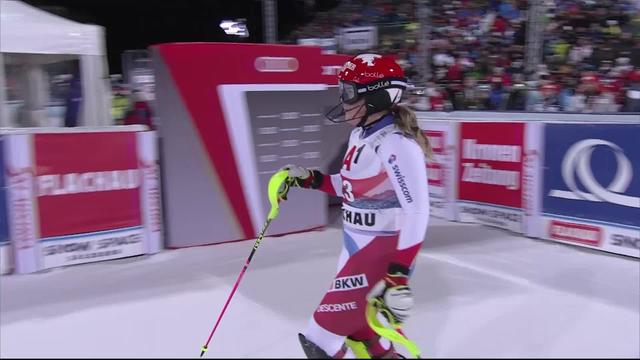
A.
x: 393, y: 334
x: 275, y: 196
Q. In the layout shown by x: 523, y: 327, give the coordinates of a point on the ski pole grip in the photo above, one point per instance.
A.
x: 275, y: 182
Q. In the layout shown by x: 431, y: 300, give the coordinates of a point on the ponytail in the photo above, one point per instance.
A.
x: 405, y: 119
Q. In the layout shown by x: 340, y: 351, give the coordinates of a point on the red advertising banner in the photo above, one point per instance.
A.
x: 491, y: 163
x: 331, y: 66
x: 99, y: 190
x: 579, y: 233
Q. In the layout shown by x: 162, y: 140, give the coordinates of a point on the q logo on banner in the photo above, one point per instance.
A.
x: 577, y: 161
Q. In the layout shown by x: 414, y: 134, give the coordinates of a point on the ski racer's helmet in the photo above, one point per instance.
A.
x: 377, y: 79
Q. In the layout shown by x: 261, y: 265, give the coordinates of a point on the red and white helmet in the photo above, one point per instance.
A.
x: 376, y: 78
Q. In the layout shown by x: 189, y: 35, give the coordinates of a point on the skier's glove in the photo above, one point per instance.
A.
x: 303, y: 177
x: 393, y: 297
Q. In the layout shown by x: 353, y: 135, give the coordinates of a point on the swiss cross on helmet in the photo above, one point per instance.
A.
x: 377, y: 79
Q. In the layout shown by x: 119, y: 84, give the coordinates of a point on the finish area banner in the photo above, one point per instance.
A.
x: 78, y: 197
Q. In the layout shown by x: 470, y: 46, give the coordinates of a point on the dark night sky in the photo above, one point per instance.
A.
x: 136, y: 24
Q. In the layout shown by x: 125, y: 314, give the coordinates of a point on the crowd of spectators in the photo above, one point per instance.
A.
x: 590, y: 52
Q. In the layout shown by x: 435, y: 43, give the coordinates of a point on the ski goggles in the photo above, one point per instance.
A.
x: 350, y: 92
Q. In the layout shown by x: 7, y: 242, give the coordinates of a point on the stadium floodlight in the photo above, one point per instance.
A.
x: 236, y: 28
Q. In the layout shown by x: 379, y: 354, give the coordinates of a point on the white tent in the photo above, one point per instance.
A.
x: 27, y: 30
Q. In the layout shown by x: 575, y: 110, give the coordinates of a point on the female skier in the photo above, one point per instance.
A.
x: 383, y: 184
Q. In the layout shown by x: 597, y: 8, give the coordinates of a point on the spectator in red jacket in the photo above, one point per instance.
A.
x: 499, y: 25
x: 140, y: 113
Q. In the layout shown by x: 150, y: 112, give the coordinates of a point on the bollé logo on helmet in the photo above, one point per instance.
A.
x: 373, y: 74
x: 378, y: 85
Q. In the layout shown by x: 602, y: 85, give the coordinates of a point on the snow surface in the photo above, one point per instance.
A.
x: 480, y: 292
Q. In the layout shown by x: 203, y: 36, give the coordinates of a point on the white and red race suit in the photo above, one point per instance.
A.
x: 385, y: 208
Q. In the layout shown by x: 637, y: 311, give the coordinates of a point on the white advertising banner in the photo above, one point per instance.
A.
x: 358, y: 38
x: 616, y: 239
x: 328, y: 45
x: 21, y: 206
x: 81, y: 248
x: 442, y: 169
x: 532, y: 179
x: 150, y: 194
